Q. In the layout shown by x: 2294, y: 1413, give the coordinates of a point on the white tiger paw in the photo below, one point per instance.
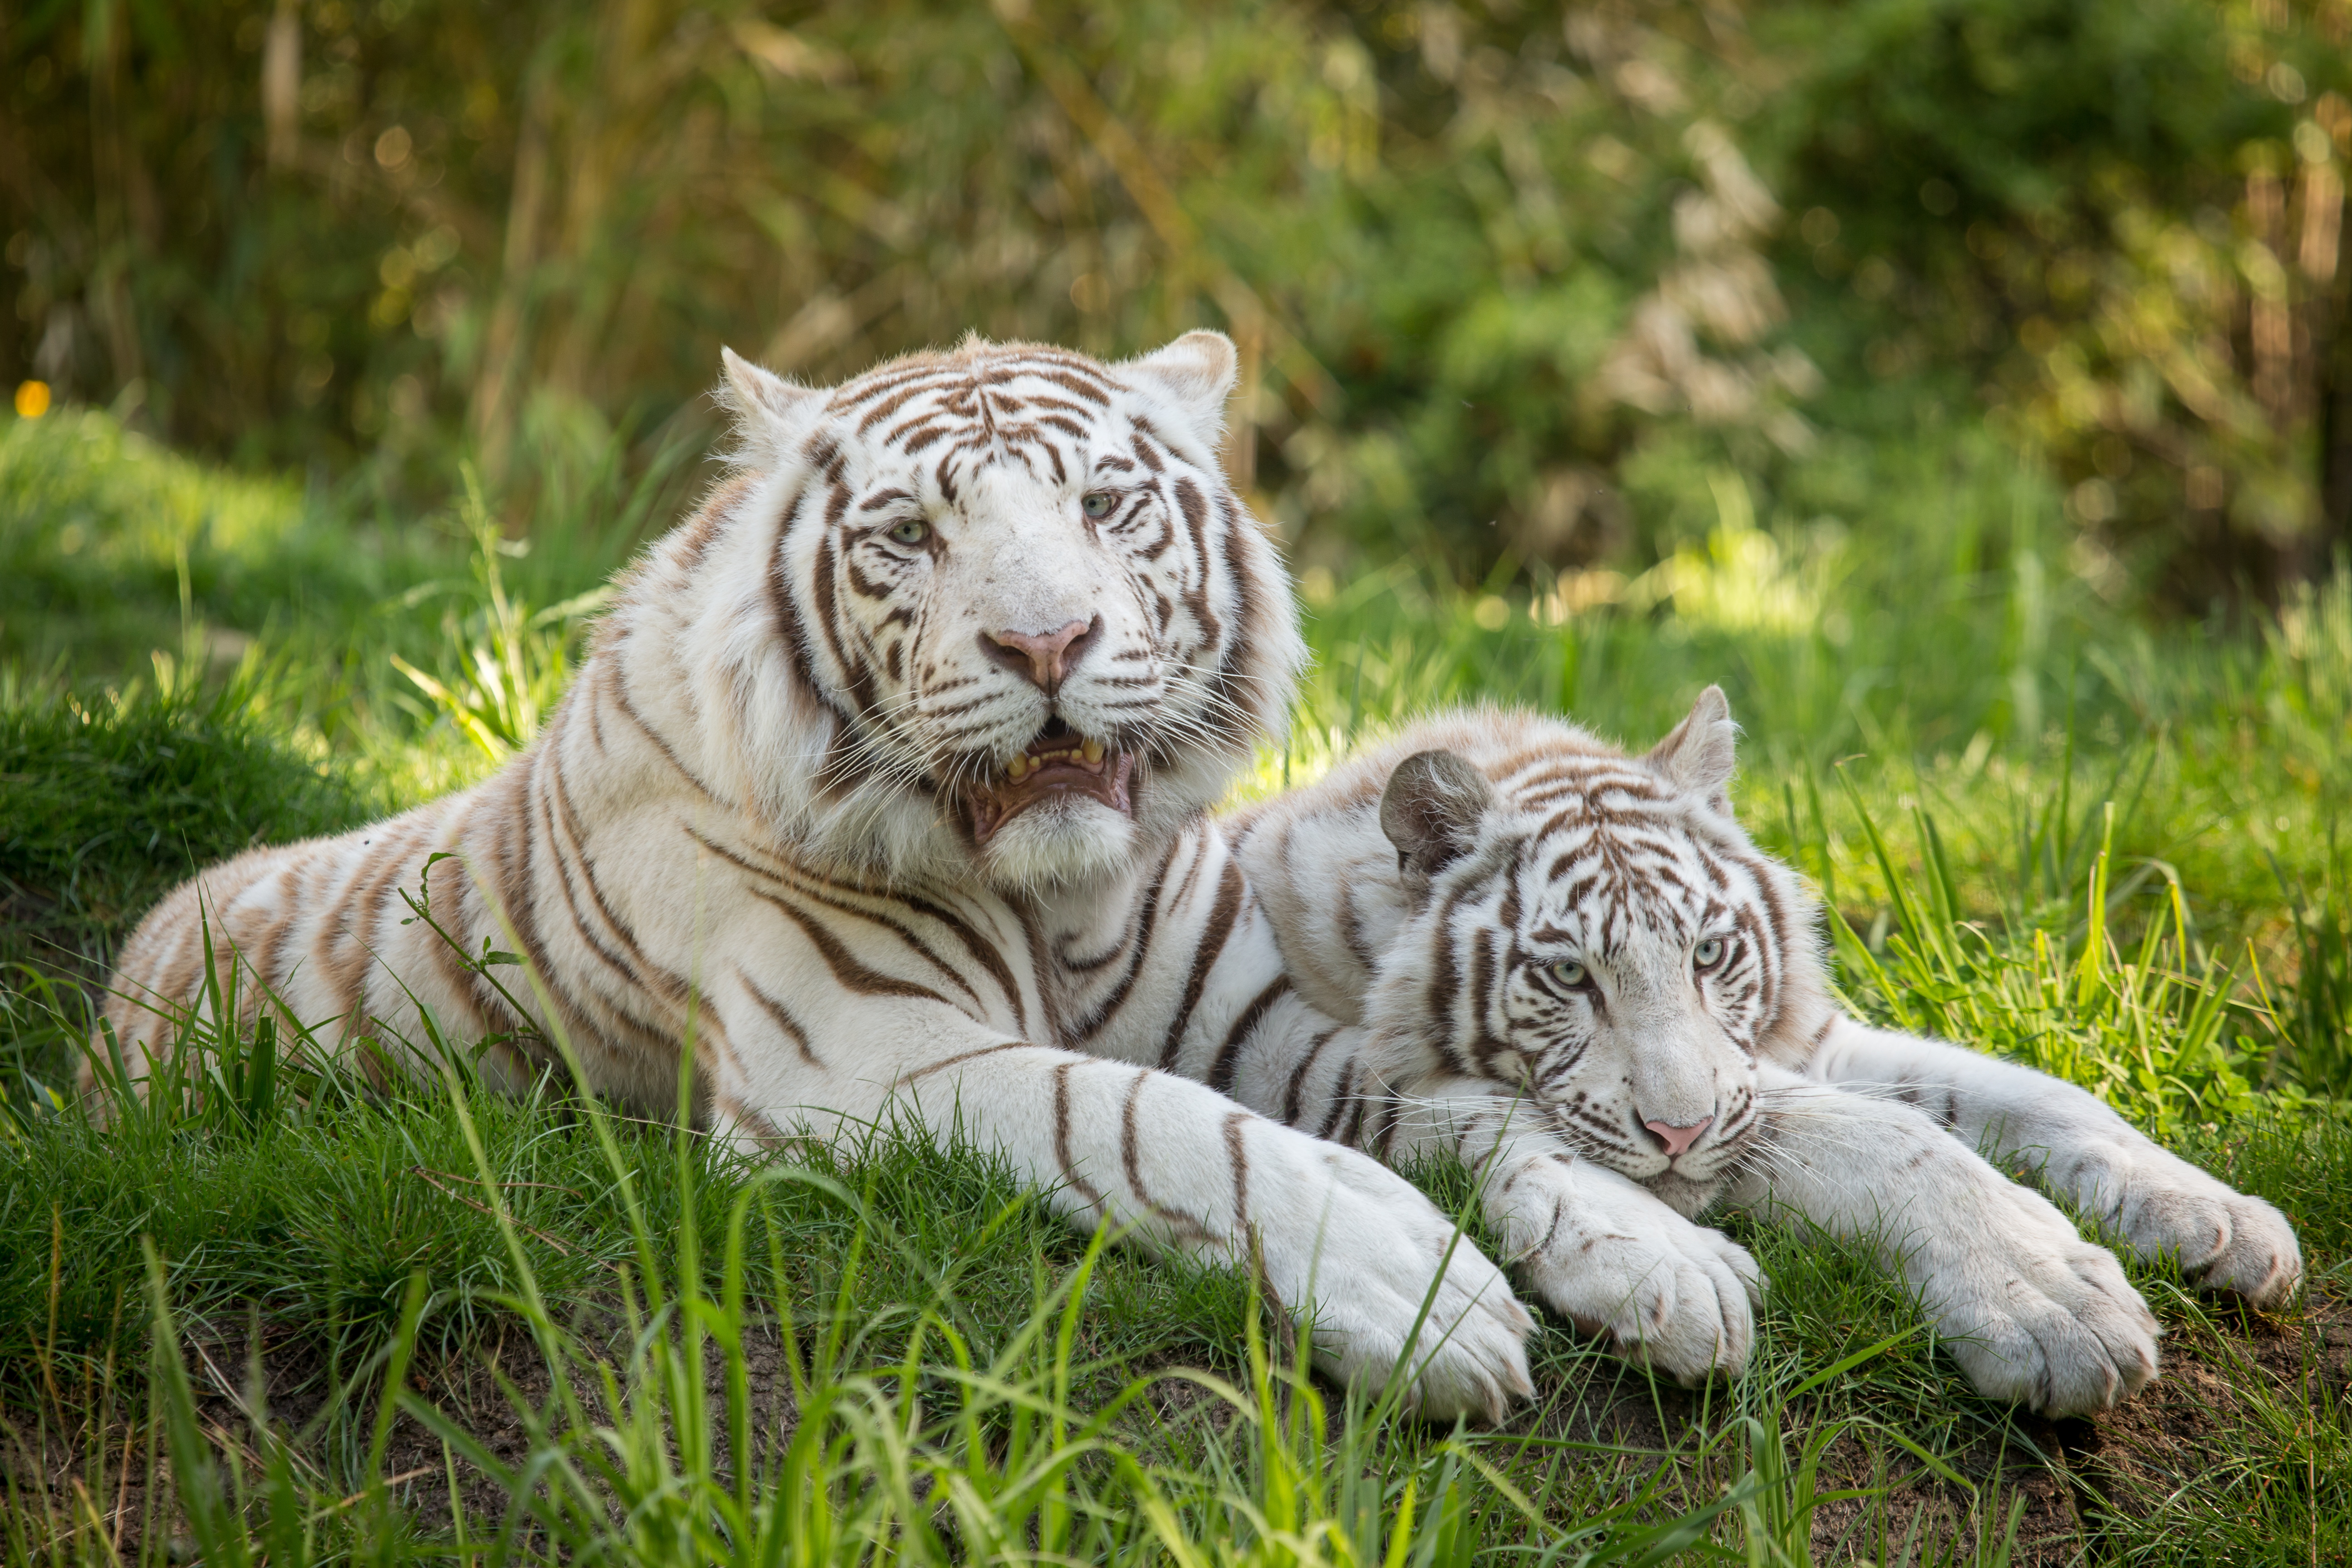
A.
x: 1356, y: 1248
x: 2222, y: 1238
x: 2030, y: 1310
x: 2260, y: 1257
x: 1617, y: 1261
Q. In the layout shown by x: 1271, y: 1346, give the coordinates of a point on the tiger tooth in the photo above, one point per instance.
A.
x: 1017, y: 769
x: 1092, y: 750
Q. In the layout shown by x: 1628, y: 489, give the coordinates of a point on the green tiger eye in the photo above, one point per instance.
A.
x: 914, y: 530
x: 1568, y: 972
x: 1095, y: 503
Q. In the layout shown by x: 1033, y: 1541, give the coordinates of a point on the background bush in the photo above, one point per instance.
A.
x: 1509, y: 280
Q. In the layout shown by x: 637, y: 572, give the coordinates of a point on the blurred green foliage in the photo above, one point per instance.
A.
x: 2122, y: 221
x: 103, y: 807
x: 1510, y: 281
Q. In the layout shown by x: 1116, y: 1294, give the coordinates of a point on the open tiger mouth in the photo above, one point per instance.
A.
x: 1059, y: 762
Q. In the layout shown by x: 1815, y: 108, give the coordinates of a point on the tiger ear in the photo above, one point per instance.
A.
x: 1432, y: 809
x: 1697, y: 758
x: 1196, y: 373
x: 771, y: 412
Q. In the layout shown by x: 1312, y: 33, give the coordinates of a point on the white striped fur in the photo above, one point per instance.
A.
x: 1573, y: 970
x: 889, y: 770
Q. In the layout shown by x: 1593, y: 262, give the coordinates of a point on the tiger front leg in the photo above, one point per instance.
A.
x: 2163, y: 1206
x: 1346, y: 1245
x: 1600, y: 1249
x: 2030, y: 1310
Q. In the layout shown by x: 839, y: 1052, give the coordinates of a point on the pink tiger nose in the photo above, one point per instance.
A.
x: 1678, y: 1139
x: 1045, y: 658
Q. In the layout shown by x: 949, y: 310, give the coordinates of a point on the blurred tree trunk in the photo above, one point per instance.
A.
x: 496, y: 381
x: 610, y: 127
x: 122, y: 197
x: 2334, y: 398
x: 281, y: 86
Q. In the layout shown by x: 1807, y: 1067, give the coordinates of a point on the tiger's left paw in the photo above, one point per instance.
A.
x: 2261, y: 1260
x: 2223, y: 1240
x: 2030, y: 1310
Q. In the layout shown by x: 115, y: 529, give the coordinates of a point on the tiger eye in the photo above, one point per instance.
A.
x: 1095, y: 503
x: 1568, y: 972
x: 914, y: 530
x: 1708, y: 953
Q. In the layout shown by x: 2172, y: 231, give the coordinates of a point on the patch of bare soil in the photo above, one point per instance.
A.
x: 2221, y: 1389
x: 2019, y: 1455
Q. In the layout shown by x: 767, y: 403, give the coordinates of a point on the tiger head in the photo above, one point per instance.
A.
x: 1595, y: 930
x: 994, y: 607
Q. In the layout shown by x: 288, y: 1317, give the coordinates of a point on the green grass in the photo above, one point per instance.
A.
x: 104, y: 804
x: 2104, y: 848
x: 934, y: 1327
x: 913, y: 1303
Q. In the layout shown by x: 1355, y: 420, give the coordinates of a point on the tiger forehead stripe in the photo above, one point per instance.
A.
x: 891, y: 405
x: 970, y: 384
x: 1579, y: 773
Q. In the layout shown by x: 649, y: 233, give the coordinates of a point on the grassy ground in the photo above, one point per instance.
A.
x: 2106, y: 848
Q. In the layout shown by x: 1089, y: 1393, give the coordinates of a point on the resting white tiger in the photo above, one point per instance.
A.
x: 1575, y: 965
x: 894, y: 759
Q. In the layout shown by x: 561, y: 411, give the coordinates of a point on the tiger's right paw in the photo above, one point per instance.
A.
x: 1357, y: 1248
x: 1618, y: 1262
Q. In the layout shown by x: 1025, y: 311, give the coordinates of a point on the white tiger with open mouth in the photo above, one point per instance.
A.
x: 1578, y: 974
x: 885, y: 783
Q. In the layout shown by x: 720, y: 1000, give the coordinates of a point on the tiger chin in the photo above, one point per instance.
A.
x: 1061, y: 808
x: 883, y: 790
x: 1579, y: 975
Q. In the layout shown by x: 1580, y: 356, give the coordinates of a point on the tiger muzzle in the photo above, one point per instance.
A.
x: 1058, y: 763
